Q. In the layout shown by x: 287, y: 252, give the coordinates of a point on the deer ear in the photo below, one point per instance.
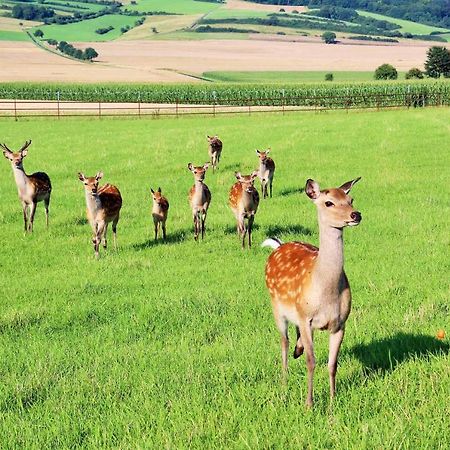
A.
x: 159, y: 190
x: 99, y: 176
x: 346, y: 187
x: 206, y: 165
x: 7, y: 154
x: 238, y: 175
x: 24, y: 153
x: 312, y: 189
x: 190, y: 167
x: 257, y: 152
x: 267, y: 151
x: 254, y: 174
x: 81, y: 176
x: 152, y: 190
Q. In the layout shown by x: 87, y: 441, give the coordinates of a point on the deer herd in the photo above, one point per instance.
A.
x: 307, y: 285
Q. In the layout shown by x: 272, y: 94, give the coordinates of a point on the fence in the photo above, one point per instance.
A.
x: 58, y: 108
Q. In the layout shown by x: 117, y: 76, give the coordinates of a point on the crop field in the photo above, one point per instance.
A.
x: 173, y: 345
x: 84, y: 31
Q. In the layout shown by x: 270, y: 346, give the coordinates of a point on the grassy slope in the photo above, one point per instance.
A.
x: 287, y: 76
x: 13, y: 36
x: 406, y: 25
x: 174, y: 6
x: 174, y: 345
x: 85, y: 31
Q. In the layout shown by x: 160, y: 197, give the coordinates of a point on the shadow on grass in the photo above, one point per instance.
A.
x: 231, y: 229
x: 291, y: 191
x: 79, y: 221
x: 275, y: 230
x: 172, y: 238
x: 385, y: 355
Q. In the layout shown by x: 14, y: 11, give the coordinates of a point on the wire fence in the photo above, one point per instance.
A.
x: 57, y: 108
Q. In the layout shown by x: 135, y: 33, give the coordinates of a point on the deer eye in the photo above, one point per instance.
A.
x: 328, y: 204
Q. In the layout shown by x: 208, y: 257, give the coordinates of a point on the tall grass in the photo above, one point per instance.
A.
x: 173, y: 345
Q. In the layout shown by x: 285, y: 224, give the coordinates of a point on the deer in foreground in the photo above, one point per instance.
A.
x: 266, y: 171
x: 159, y: 212
x: 214, y: 150
x: 308, y: 285
x: 199, y: 198
x: 31, y: 188
x: 244, y: 201
x: 103, y: 206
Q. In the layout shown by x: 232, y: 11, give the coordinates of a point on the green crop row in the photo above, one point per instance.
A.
x: 332, y: 95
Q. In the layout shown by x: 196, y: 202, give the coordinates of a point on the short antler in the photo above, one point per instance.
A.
x: 25, y: 146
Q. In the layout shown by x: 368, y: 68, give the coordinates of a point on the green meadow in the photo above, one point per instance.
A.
x: 6, y: 35
x: 173, y: 345
x: 175, y: 6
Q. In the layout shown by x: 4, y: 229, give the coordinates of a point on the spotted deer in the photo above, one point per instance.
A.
x: 103, y: 206
x: 308, y: 285
x: 199, y: 198
x: 244, y: 201
x: 31, y: 188
x: 214, y: 150
x: 159, y: 212
x: 266, y: 171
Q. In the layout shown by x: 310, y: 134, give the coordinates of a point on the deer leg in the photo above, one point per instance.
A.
x: 25, y: 215
x: 335, y: 344
x: 164, y: 230
x: 114, y: 230
x: 307, y: 339
x: 298, y: 351
x: 250, y: 228
x: 196, y: 225
x: 155, y: 223
x: 32, y: 213
x: 243, y: 230
x: 46, y: 204
x: 203, y: 223
x: 282, y: 326
x: 271, y: 180
x: 105, y: 243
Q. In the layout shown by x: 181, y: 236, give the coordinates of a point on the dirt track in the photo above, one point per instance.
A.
x: 159, y: 61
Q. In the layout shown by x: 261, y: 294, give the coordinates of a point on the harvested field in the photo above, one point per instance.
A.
x: 239, y: 4
x: 160, y: 61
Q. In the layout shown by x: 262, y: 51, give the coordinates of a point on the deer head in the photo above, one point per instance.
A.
x: 335, y: 206
x: 198, y: 171
x: 247, y: 180
x: 262, y: 155
x: 90, y: 183
x: 16, y: 158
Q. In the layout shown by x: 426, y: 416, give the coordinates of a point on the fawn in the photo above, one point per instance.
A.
x: 199, y: 198
x: 103, y: 206
x: 308, y: 286
x: 214, y: 150
x: 31, y: 188
x: 244, y: 201
x: 159, y: 212
x: 266, y: 171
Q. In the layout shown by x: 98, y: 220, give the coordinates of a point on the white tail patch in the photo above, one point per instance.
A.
x: 272, y: 243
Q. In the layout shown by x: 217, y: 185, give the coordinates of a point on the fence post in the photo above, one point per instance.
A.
x: 15, y: 110
x: 57, y: 94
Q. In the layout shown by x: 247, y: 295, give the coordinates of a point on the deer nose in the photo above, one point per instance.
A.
x: 356, y: 216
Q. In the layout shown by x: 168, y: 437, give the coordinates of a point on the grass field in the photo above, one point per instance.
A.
x: 287, y: 77
x: 406, y: 25
x: 174, y: 345
x: 85, y: 31
x: 174, y: 6
x: 6, y: 35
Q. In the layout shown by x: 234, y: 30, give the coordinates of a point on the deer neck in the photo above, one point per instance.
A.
x: 262, y: 167
x: 330, y: 261
x: 21, y: 179
x: 198, y: 192
x: 93, y: 202
x: 247, y: 200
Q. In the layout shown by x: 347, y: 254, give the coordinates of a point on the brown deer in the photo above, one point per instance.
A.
x: 159, y: 212
x: 31, y: 188
x: 214, y: 150
x: 308, y: 286
x: 199, y: 198
x: 266, y: 171
x: 103, y: 206
x: 244, y: 201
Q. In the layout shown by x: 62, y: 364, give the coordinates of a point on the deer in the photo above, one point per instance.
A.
x: 31, y: 188
x: 103, y: 206
x: 159, y: 212
x: 244, y: 201
x: 214, y: 150
x: 199, y: 198
x: 308, y: 285
x: 266, y: 171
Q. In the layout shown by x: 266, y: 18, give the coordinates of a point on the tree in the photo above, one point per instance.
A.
x: 329, y: 77
x: 39, y: 33
x: 438, y: 62
x: 386, y: 72
x: 329, y: 37
x: 90, y: 53
x: 414, y: 73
